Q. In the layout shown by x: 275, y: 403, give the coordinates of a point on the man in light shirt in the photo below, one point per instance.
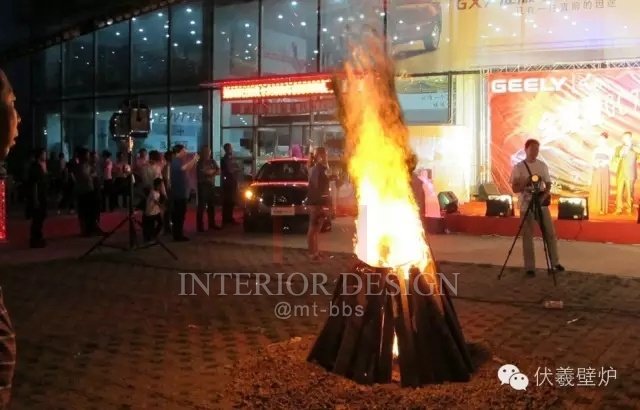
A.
x: 521, y: 184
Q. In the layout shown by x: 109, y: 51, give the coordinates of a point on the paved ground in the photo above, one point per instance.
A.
x: 603, y: 258
x: 113, y: 332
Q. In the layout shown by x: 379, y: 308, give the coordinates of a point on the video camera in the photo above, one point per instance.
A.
x: 133, y: 119
x: 537, y: 186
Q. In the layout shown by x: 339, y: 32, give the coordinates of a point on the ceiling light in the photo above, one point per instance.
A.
x: 395, y: 38
x: 144, y: 39
x: 315, y: 51
x: 200, y: 107
x: 141, y: 30
x: 223, y: 33
x: 166, y: 35
x: 193, y: 32
x: 175, y: 44
x: 166, y: 26
x: 160, y: 14
x: 490, y: 24
x: 117, y: 33
x: 362, y: 17
x: 280, y: 16
x: 248, y: 35
x: 535, y: 26
x: 573, y: 23
x: 303, y: 23
x: 294, y: 3
x: 198, y: 42
x: 189, y: 10
x: 109, y: 22
x: 497, y: 29
x: 566, y: 17
x: 247, y: 25
x: 418, y: 28
x: 324, y: 30
x: 401, y: 22
x: 133, y: 19
x: 382, y: 14
x: 192, y: 22
x: 340, y: 19
x: 550, y: 32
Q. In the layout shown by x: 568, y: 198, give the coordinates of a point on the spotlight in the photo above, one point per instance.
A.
x: 573, y: 208
x: 448, y: 202
x: 499, y: 205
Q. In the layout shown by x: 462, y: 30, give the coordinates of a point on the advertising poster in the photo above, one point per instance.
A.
x: 441, y: 35
x: 567, y: 111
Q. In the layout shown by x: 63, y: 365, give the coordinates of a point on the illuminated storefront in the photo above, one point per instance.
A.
x: 183, y: 60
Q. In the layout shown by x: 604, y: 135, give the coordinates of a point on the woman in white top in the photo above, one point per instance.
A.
x: 600, y: 178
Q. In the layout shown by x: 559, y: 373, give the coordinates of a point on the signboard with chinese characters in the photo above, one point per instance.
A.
x: 485, y: 33
x: 567, y: 111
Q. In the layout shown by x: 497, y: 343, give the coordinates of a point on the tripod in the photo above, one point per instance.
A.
x: 130, y: 220
x: 535, y: 209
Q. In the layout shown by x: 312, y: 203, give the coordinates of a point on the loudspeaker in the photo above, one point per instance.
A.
x: 499, y: 205
x: 448, y: 202
x: 576, y: 209
x: 487, y: 190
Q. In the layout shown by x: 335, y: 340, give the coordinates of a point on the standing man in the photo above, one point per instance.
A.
x: 229, y: 184
x: 207, y: 171
x: 37, y: 188
x: 180, y: 191
x: 9, y: 121
x: 521, y: 184
x: 317, y: 200
x: 626, y: 157
x: 110, y: 197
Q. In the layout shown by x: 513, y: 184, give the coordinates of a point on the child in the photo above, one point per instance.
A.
x: 152, y: 219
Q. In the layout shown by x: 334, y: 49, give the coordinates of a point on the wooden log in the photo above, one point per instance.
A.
x: 351, y: 337
x: 404, y: 332
x: 325, y: 348
x: 385, y: 357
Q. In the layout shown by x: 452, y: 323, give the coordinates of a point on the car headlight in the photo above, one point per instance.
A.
x: 248, y: 194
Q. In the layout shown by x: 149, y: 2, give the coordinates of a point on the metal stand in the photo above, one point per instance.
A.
x: 536, y: 209
x: 130, y: 220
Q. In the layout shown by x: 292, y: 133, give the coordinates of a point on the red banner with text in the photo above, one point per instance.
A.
x: 568, y: 111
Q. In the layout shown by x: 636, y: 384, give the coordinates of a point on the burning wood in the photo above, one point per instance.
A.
x: 402, y: 311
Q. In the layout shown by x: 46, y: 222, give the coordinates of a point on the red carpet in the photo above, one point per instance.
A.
x: 622, y: 229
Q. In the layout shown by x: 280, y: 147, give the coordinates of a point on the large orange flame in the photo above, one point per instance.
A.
x: 389, y: 230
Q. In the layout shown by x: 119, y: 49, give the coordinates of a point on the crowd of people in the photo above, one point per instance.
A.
x: 156, y: 185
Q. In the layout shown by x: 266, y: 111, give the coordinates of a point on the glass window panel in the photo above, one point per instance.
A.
x: 78, y: 69
x: 344, y: 22
x: 158, y: 138
x: 149, y: 39
x: 238, y: 113
x: 113, y: 59
x: 187, y: 120
x: 424, y: 99
x: 105, y: 108
x: 235, y: 40
x: 414, y: 34
x: 48, y: 127
x: 46, y: 73
x: 289, y: 37
x: 78, y: 125
x: 187, y: 45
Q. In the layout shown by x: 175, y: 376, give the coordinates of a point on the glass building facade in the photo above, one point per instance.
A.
x: 443, y: 50
x: 164, y: 57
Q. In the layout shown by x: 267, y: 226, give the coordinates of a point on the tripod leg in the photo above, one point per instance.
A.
x: 550, y: 268
x: 105, y: 238
x: 524, y: 220
x: 160, y: 243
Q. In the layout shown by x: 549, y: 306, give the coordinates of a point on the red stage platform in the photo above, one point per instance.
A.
x: 620, y: 229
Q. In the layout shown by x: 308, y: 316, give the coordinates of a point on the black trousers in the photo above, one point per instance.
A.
x: 228, y: 202
x: 206, y: 199
x: 151, y: 226
x: 178, y: 214
x: 121, y: 190
x: 109, y: 196
x: 38, y: 215
x: 88, y: 213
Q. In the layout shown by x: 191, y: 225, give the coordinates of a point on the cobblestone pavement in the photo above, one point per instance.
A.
x: 113, y: 332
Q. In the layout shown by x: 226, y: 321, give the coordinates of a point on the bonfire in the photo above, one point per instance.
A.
x: 409, y: 319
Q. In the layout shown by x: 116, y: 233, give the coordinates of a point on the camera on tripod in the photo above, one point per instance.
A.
x: 537, y: 186
x: 132, y: 120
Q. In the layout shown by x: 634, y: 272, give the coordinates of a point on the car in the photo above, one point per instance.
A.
x: 278, y: 193
x: 417, y: 20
